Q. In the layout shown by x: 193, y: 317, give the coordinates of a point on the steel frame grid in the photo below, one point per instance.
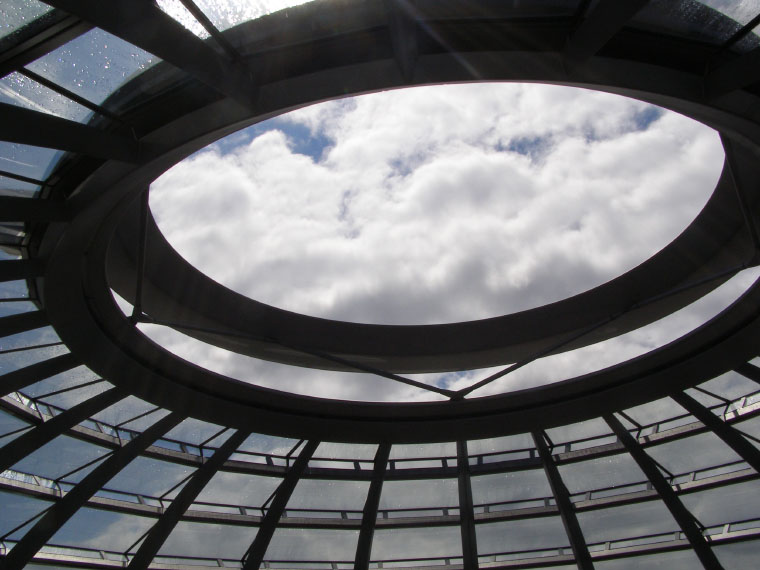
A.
x: 721, y: 78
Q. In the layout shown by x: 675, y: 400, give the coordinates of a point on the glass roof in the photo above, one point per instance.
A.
x: 95, y: 474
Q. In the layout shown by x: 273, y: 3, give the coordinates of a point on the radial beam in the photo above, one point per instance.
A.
x: 729, y: 435
x: 369, y: 514
x: 269, y: 524
x: 165, y: 525
x: 734, y: 74
x: 26, y: 126
x: 145, y: 25
x: 599, y: 26
x: 466, y: 513
x: 749, y: 371
x: 45, y: 432
x: 564, y: 505
x: 13, y: 269
x: 19, y: 379
x: 61, y: 30
x: 680, y: 513
x: 13, y: 209
x: 64, y: 509
x: 14, y: 324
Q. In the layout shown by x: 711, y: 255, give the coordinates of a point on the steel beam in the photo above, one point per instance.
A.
x: 62, y: 29
x: 64, y: 509
x: 260, y: 544
x: 734, y: 74
x: 16, y: 450
x: 161, y: 530
x: 369, y: 514
x: 565, y: 506
x: 728, y: 434
x: 13, y: 209
x: 13, y: 269
x: 680, y: 513
x: 402, y: 25
x: 14, y: 324
x: 26, y: 126
x: 599, y: 26
x: 466, y: 513
x: 143, y: 24
x: 18, y: 379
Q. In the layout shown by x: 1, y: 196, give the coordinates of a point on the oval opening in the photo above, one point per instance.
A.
x: 438, y: 204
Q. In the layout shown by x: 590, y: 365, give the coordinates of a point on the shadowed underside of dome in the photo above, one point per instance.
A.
x: 116, y: 453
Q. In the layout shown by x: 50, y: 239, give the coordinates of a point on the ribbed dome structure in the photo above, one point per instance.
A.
x: 116, y: 453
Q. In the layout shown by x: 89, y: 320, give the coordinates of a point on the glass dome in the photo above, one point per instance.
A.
x: 117, y: 453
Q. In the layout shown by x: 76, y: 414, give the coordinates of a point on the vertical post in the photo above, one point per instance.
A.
x: 161, y: 530
x: 683, y: 517
x: 14, y: 451
x: 269, y: 524
x: 466, y: 513
x: 729, y: 435
x: 564, y: 505
x: 369, y: 515
x: 72, y: 501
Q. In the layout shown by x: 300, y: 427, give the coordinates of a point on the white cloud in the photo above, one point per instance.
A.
x: 433, y: 205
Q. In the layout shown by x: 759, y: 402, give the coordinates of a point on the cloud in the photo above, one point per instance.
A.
x: 433, y: 205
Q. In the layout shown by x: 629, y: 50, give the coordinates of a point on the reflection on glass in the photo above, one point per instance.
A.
x: 93, y: 65
x: 210, y: 541
x: 521, y: 536
x: 101, y: 530
x: 25, y: 160
x: 425, y: 543
x: 228, y: 13
x: 177, y: 10
x: 312, y: 544
x: 627, y: 522
x: 16, y: 89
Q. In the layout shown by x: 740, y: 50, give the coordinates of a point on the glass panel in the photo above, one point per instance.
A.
x: 740, y: 10
x: 750, y: 428
x: 659, y: 411
x: 400, y: 544
x: 9, y: 423
x: 682, y: 560
x: 194, y: 431
x: 144, y: 476
x: 725, y: 504
x: 67, y: 379
x: 328, y: 495
x: 14, y: 14
x: 16, y: 360
x: 93, y: 65
x: 17, y: 509
x: 15, y: 307
x: 226, y: 14
x: 13, y: 290
x: 21, y: 91
x: 12, y: 187
x: 594, y: 431
x: 688, y: 19
x: 264, y: 444
x: 238, y: 489
x: 60, y: 456
x: 330, y: 450
x: 25, y: 160
x: 730, y: 385
x: 738, y: 556
x: 43, y: 335
x: 692, y: 453
x: 126, y: 409
x: 177, y: 10
x: 521, y: 535
x: 313, y: 544
x: 497, y: 444
x: 508, y: 487
x: 432, y: 495
x: 626, y: 522
x: 602, y: 473
x: 101, y: 530
x: 208, y: 541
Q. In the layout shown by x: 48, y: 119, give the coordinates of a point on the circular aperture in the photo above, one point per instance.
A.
x: 438, y: 204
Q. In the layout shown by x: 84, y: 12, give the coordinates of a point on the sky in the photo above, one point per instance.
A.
x: 434, y: 205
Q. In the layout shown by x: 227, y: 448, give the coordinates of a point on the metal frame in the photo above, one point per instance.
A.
x: 90, y: 220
